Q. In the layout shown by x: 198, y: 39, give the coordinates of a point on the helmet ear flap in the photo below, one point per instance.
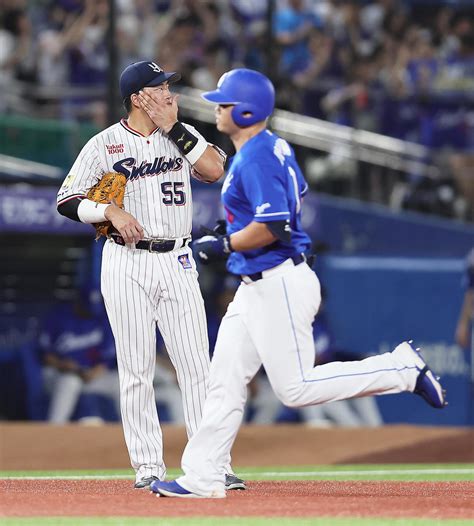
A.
x: 240, y: 110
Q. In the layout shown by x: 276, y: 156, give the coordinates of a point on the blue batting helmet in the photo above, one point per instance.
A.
x: 251, y: 93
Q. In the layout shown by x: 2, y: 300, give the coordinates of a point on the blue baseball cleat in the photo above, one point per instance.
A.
x: 427, y: 385
x: 173, y: 489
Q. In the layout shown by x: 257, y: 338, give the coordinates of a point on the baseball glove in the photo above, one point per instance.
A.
x: 111, y: 188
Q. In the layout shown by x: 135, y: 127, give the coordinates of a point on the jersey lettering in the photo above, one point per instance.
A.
x: 146, y: 162
x: 145, y: 169
x: 281, y: 149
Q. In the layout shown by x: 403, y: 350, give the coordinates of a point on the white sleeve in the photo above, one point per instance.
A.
x: 84, y: 174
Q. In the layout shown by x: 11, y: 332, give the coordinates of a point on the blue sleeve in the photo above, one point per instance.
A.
x: 266, y: 192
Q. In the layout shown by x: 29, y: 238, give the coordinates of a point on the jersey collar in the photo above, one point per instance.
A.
x: 125, y: 125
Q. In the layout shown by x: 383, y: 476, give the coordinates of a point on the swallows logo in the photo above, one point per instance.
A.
x: 132, y: 170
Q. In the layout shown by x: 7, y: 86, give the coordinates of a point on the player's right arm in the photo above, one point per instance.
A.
x: 125, y: 224
x: 72, y: 201
x: 84, y: 174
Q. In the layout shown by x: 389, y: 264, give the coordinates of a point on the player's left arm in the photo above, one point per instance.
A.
x: 270, y: 202
x: 209, y: 168
x: 254, y: 235
x: 206, y: 160
x: 270, y: 222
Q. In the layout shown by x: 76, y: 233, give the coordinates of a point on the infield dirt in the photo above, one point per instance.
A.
x: 27, y: 446
x: 72, y: 447
x: 433, y: 500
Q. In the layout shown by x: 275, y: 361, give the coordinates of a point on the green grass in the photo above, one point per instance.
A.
x: 402, y: 472
x: 225, y: 521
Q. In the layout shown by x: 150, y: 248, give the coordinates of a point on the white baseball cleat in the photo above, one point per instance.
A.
x: 173, y: 489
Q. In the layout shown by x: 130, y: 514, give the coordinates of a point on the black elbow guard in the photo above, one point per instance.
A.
x: 280, y: 229
x: 69, y: 209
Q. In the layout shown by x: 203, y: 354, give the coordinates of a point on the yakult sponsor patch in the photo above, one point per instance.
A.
x: 114, y: 148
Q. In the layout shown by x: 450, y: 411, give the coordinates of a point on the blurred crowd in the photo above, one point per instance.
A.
x: 400, y: 68
x: 335, y: 59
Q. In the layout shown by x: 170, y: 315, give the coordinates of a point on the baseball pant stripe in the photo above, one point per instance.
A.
x: 237, y: 361
x: 187, y: 347
x: 135, y: 336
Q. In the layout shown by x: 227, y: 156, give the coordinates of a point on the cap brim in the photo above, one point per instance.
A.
x: 170, y: 77
x: 217, y: 97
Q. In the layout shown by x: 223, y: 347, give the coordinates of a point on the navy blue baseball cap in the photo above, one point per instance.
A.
x: 143, y: 74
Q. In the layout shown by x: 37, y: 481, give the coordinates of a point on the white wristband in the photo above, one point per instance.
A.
x: 91, y: 212
x: 197, y: 151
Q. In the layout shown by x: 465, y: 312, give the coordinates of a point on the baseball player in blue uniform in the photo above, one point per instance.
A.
x: 79, y: 355
x: 270, y: 319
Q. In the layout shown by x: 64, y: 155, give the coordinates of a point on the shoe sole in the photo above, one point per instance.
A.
x: 146, y: 486
x: 440, y: 392
x: 165, y: 493
x: 236, y: 486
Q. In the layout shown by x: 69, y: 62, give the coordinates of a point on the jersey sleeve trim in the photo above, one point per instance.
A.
x: 274, y: 216
x: 69, y: 197
x: 305, y: 190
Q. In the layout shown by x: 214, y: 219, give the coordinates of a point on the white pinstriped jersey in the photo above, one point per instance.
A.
x: 158, y: 189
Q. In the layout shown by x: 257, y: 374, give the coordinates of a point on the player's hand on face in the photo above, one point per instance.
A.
x: 126, y: 225
x: 160, y: 106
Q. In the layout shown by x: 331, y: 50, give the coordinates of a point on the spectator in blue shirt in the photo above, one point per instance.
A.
x: 292, y: 27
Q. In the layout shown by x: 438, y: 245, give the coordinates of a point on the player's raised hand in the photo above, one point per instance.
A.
x: 126, y: 225
x: 160, y: 105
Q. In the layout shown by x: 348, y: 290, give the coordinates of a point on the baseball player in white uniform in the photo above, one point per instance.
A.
x: 270, y: 319
x: 149, y: 276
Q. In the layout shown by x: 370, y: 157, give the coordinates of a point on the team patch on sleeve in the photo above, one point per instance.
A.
x: 68, y: 181
x: 184, y: 260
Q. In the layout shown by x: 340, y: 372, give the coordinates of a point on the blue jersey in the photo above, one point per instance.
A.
x: 264, y: 184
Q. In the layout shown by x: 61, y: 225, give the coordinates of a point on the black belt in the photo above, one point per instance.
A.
x: 299, y: 258
x: 152, y: 245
